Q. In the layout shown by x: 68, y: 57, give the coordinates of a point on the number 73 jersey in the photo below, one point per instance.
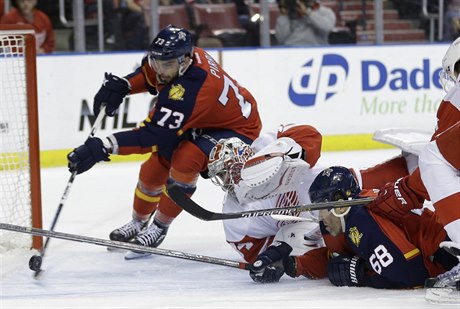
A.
x: 204, y: 97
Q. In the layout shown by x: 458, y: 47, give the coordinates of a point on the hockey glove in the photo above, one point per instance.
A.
x: 396, y: 200
x: 346, y: 271
x: 85, y: 156
x: 111, y: 93
x: 268, y: 266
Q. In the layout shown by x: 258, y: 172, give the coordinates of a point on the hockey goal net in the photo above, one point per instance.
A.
x: 20, y: 194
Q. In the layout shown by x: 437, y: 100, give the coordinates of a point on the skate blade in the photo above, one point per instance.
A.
x: 445, y: 295
x: 132, y: 255
x: 111, y: 249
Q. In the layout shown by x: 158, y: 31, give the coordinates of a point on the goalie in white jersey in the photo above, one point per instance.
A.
x: 275, y: 171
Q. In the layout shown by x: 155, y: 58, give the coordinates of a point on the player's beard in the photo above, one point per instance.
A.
x: 162, y: 79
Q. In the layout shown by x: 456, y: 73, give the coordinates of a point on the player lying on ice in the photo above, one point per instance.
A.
x: 364, y: 245
x: 278, y: 175
x: 193, y: 93
x: 436, y: 179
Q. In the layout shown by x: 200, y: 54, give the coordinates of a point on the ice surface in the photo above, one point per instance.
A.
x: 87, y: 276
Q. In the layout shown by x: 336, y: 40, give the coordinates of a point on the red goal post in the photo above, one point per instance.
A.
x: 20, y: 196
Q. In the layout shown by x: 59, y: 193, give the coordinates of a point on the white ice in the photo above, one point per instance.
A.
x: 79, y: 275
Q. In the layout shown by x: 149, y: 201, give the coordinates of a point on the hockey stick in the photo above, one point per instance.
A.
x: 124, y: 245
x: 184, y: 202
x: 35, y: 261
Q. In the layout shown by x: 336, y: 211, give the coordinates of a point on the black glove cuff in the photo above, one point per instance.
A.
x: 279, y: 250
x: 290, y: 267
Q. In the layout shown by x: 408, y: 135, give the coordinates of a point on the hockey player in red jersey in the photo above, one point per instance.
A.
x: 198, y: 103
x: 363, y: 248
x: 398, y: 198
x: 435, y: 179
x: 440, y: 172
x: 448, y: 115
x: 440, y: 160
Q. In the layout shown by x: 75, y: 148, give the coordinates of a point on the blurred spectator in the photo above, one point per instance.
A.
x: 170, y: 2
x: 451, y: 22
x: 410, y: 9
x: 134, y: 30
x: 304, y: 22
x: 242, y: 8
x: 24, y: 12
x: 124, y: 25
x: 111, y: 23
x: 2, y: 8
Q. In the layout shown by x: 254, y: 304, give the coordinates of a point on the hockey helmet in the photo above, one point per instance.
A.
x: 333, y: 184
x: 226, y: 159
x: 450, y: 71
x: 171, y: 43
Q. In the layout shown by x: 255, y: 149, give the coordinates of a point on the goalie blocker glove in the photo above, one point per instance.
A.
x: 346, y: 271
x: 112, y: 92
x: 269, y: 265
x: 85, y: 156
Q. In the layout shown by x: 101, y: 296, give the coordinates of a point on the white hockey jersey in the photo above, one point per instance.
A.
x: 251, y: 236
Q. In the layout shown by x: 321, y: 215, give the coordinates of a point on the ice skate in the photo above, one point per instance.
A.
x: 445, y: 288
x: 153, y: 236
x: 127, y: 232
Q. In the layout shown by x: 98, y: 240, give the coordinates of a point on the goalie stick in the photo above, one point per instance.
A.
x: 124, y: 245
x: 184, y: 202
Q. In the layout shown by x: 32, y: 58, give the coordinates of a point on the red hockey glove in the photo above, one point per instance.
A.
x: 396, y: 200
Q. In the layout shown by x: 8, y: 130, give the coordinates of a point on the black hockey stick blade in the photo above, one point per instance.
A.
x: 124, y: 245
x: 184, y: 202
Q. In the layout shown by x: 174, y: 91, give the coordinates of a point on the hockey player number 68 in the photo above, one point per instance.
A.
x: 380, y: 258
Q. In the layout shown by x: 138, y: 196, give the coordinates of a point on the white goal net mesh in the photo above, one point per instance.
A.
x: 15, y: 198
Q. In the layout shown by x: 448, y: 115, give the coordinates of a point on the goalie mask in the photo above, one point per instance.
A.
x: 226, y: 160
x: 450, y: 66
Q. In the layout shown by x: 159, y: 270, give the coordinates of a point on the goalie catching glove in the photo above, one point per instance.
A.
x: 85, y: 156
x: 270, y: 265
x: 111, y: 93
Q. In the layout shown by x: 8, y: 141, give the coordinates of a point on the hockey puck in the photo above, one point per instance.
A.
x: 35, y: 262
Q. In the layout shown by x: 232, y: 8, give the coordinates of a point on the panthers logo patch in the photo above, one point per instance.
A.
x: 355, y: 236
x: 176, y: 92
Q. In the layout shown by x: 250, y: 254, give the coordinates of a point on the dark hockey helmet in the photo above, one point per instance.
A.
x: 332, y: 184
x: 170, y: 43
